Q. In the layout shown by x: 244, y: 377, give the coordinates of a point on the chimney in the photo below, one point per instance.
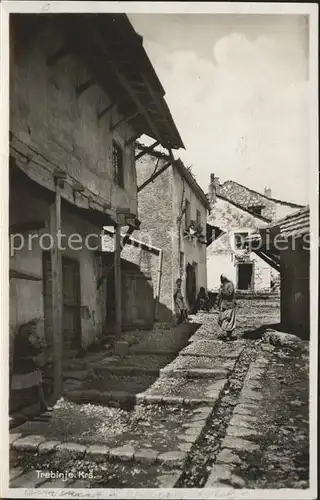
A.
x: 267, y: 192
x: 214, y: 183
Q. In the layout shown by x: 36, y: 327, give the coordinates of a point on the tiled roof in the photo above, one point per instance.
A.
x: 296, y: 224
x: 226, y: 189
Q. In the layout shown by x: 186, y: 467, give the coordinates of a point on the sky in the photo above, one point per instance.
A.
x: 237, y: 88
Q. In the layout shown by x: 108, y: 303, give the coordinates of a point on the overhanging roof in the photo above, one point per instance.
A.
x: 114, y: 52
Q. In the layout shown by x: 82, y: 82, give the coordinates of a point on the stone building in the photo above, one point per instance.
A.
x: 75, y: 115
x: 286, y: 242
x: 238, y: 211
x: 173, y: 214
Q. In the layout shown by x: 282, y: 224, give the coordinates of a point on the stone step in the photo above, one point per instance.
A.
x: 120, y: 399
x: 214, y: 349
x: 194, y: 373
x: 184, y: 391
x: 125, y: 370
x: 142, y: 441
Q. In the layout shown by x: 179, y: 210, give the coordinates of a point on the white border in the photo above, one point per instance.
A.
x: 7, y: 7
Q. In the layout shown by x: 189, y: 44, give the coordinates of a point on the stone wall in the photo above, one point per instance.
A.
x: 273, y: 209
x: 47, y: 114
x: 26, y: 297
x: 222, y: 254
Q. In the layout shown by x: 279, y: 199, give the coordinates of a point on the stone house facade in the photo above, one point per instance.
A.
x: 169, y: 208
x: 73, y: 126
x: 239, y: 212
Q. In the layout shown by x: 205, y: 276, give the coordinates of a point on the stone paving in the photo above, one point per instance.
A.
x: 242, y: 438
x: 179, y: 404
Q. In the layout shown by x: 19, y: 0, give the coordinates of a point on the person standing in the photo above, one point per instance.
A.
x: 227, y: 306
x: 28, y: 351
x: 180, y: 308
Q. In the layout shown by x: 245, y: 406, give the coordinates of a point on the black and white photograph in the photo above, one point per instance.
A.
x: 159, y: 250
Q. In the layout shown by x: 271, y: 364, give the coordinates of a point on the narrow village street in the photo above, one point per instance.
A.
x: 216, y: 414
x: 160, y: 266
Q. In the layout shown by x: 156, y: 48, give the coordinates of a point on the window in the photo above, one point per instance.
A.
x: 198, y: 219
x: 256, y: 209
x: 187, y: 213
x: 239, y: 240
x: 117, y: 164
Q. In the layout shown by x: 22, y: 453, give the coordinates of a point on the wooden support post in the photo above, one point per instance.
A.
x: 147, y: 150
x: 117, y: 278
x: 155, y: 175
x: 57, y: 294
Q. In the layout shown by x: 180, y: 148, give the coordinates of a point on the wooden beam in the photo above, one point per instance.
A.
x: 110, y: 108
x: 57, y: 296
x: 147, y: 150
x: 84, y: 86
x: 124, y: 120
x: 131, y: 140
x: 62, y: 52
x: 126, y: 85
x: 117, y: 279
x: 19, y: 275
x: 155, y: 175
x: 273, y: 262
x: 156, y: 154
x: 158, y: 105
x: 27, y: 226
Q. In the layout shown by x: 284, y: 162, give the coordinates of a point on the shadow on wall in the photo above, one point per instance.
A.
x: 164, y: 314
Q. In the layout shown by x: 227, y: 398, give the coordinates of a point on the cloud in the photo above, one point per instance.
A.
x: 243, y: 114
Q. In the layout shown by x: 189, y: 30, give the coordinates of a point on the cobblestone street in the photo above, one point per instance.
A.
x: 221, y: 414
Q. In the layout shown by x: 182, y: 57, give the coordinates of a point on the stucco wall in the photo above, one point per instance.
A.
x: 26, y: 297
x: 194, y: 251
x: 221, y: 254
x: 47, y: 114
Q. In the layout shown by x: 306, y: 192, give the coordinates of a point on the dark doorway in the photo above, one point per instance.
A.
x: 71, y: 301
x: 191, y: 283
x: 245, y: 276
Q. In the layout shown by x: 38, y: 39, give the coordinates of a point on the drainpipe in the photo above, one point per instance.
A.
x: 158, y: 289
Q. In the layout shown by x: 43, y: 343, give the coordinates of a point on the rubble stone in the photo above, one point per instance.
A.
x: 173, y: 457
x: 146, y: 456
x: 28, y: 443
x: 48, y: 446
x: 124, y: 453
x: 239, y: 444
x: 73, y: 450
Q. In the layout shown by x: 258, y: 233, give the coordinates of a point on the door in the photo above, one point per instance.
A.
x: 191, y: 283
x: 245, y: 276
x: 71, y: 301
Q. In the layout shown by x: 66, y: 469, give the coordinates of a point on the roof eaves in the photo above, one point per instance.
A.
x: 289, y: 203
x: 257, y: 216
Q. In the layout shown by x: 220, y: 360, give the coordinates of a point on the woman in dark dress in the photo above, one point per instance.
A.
x: 227, y: 306
x: 28, y: 348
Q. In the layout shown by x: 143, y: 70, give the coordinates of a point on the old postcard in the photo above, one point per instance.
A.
x: 160, y: 250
